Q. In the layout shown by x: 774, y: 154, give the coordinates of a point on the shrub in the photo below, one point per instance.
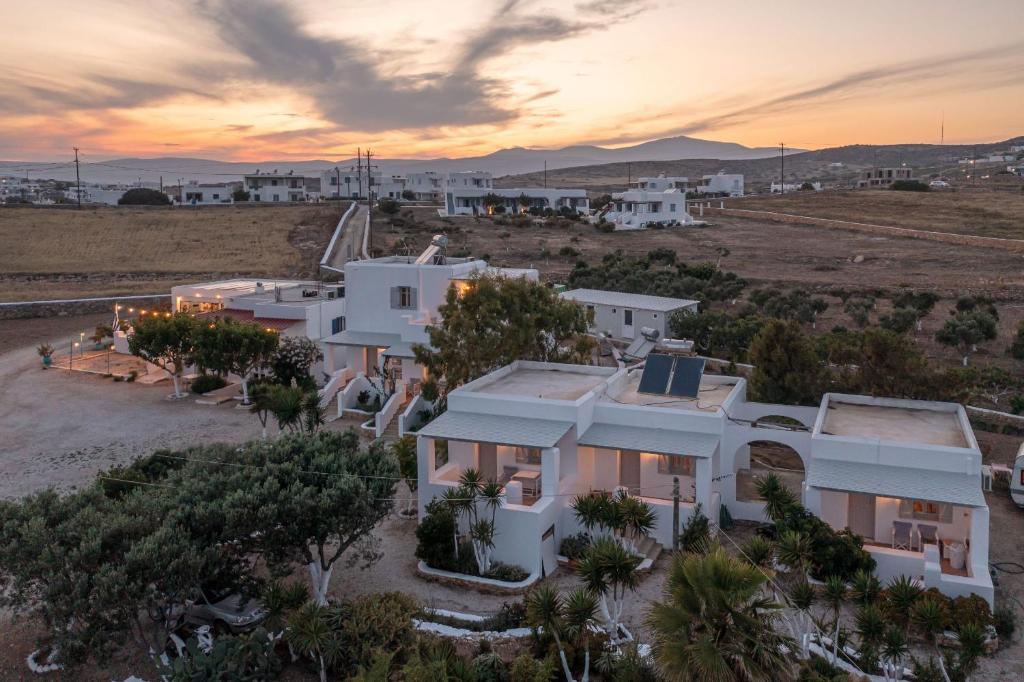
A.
x: 141, y: 196
x: 568, y: 252
x: 44, y: 350
x: 242, y: 657
x: 696, y: 534
x: 377, y: 622
x: 205, y: 383
x: 604, y: 227
x: 970, y: 609
x: 526, y: 668
x: 908, y: 186
x: 507, y: 573
x: 839, y: 553
x: 1005, y: 622
x: 575, y: 546
x: 435, y: 536
x: 488, y: 667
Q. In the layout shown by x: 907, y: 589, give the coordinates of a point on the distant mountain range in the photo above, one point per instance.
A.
x: 839, y: 165
x: 502, y: 162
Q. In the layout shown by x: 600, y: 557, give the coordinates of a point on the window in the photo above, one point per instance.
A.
x: 277, y: 197
x: 527, y: 456
x: 675, y: 465
x: 671, y: 208
x: 216, y: 196
x: 338, y: 324
x: 403, y: 298
x: 926, y: 511
x: 627, y: 317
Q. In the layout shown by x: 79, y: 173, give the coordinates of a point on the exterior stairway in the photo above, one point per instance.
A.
x: 651, y: 551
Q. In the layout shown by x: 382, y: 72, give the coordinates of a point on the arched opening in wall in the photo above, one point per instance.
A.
x: 762, y: 457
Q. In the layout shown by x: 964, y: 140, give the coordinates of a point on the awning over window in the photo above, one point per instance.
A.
x: 660, y: 441
x: 899, y: 482
x: 498, y: 429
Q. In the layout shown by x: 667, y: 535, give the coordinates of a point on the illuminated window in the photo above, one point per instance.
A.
x: 926, y: 511
x: 527, y: 456
x: 674, y: 465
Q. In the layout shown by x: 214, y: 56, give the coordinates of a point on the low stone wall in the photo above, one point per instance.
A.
x: 1015, y: 245
x: 477, y: 584
x: 83, y: 307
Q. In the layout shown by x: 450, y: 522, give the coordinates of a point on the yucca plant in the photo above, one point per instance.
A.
x: 894, y: 649
x: 834, y: 593
x: 900, y: 596
x: 865, y: 588
x: 544, y: 610
x: 801, y: 598
x: 778, y: 499
x: 929, y: 620
x: 608, y: 571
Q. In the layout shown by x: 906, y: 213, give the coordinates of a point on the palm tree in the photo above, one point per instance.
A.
x: 544, y: 610
x: 834, y: 593
x: 865, y: 588
x: 894, y: 648
x: 870, y: 624
x: 928, y: 618
x: 900, y: 597
x: 286, y: 404
x: 592, y: 511
x: 972, y: 646
x: 714, y: 623
x: 760, y: 552
x: 310, y: 633
x: 778, y: 499
x: 608, y: 571
x: 801, y: 598
x: 794, y: 550
x: 638, y: 519
x: 313, y: 413
x: 458, y: 500
x: 280, y: 601
x: 580, y: 615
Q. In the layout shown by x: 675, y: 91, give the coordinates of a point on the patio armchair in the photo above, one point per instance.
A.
x: 901, y: 538
x: 929, y: 534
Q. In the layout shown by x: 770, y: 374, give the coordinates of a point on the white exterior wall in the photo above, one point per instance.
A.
x: 636, y: 209
x: 271, y: 188
x: 204, y: 195
x: 723, y: 183
x: 608, y: 318
x: 469, y: 201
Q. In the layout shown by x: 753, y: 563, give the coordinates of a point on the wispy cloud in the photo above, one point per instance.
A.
x: 1000, y: 65
x: 349, y: 87
x: 26, y: 92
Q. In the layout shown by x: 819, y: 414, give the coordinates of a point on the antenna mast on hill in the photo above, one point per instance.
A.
x: 782, y: 169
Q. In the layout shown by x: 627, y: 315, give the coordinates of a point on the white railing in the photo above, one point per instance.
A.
x: 388, y: 412
x: 349, y: 397
x: 337, y: 232
x: 410, y: 415
x: 337, y: 381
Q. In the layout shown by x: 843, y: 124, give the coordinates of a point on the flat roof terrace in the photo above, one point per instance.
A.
x: 710, y: 396
x: 892, y: 423
x: 553, y: 383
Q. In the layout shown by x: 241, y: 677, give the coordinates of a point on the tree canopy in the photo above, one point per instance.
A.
x: 497, y: 320
x: 237, y: 347
x: 142, y: 196
x: 167, y: 341
x: 786, y: 368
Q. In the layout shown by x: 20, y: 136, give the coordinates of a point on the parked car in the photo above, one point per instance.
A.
x: 225, y: 608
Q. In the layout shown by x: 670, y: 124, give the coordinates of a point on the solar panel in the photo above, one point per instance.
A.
x: 686, y: 379
x: 656, y: 373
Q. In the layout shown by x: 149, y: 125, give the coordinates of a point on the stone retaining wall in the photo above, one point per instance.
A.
x: 63, y: 309
x: 1016, y: 245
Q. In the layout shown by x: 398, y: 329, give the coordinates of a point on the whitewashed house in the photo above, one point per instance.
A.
x: 389, y: 302
x: 426, y: 186
x: 721, y: 184
x: 653, y: 201
x: 904, y: 474
x: 195, y: 194
x: 470, y: 200
x: 621, y: 316
x: 274, y: 186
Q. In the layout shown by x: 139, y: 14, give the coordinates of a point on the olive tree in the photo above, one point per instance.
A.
x: 237, y: 347
x: 167, y: 341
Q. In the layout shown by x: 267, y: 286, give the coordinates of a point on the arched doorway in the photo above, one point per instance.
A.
x: 759, y: 458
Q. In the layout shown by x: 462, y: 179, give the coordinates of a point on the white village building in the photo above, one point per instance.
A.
x: 389, y: 302
x: 621, y: 316
x: 195, y: 194
x: 470, y: 200
x: 904, y: 474
x: 651, y: 201
x: 273, y: 186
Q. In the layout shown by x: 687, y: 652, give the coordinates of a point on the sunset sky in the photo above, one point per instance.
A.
x: 261, y: 79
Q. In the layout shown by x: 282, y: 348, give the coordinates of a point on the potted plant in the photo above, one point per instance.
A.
x: 45, y: 351
x: 102, y: 332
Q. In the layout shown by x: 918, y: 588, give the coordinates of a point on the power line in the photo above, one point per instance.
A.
x: 78, y: 181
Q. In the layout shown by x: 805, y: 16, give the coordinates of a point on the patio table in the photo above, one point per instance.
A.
x: 528, y: 477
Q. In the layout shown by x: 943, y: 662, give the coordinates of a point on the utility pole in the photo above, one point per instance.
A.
x: 369, y: 204
x: 359, y: 172
x: 78, y: 181
x: 181, y: 191
x: 675, y: 513
x: 545, y: 173
x: 337, y: 177
x: 782, y: 170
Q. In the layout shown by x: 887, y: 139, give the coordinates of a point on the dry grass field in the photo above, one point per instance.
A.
x: 61, y: 253
x: 986, y: 214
